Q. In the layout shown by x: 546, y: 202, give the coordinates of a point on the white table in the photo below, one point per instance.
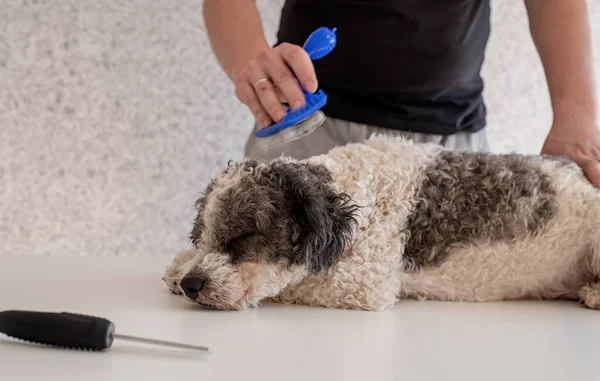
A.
x: 414, y: 341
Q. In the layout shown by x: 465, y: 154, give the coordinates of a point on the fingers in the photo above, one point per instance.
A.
x: 283, y: 78
x: 281, y: 96
x: 273, y: 78
x: 255, y: 90
x: 298, y: 60
x: 245, y: 93
x: 265, y: 91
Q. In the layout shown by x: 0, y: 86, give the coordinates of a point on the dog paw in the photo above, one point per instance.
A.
x: 172, y: 278
x: 173, y: 285
x: 590, y: 295
x: 173, y: 272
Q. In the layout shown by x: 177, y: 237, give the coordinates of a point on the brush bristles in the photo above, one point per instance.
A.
x: 296, y: 132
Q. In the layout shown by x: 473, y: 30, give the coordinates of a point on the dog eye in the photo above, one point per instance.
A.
x: 234, y: 243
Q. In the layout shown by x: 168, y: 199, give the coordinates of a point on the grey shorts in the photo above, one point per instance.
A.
x: 336, y: 132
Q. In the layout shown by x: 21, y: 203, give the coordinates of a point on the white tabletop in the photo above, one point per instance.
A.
x: 414, y: 341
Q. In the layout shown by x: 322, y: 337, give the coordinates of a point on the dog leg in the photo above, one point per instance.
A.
x: 590, y: 295
x: 173, y: 273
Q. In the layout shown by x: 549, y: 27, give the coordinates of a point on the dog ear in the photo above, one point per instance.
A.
x: 195, y: 234
x: 323, y: 217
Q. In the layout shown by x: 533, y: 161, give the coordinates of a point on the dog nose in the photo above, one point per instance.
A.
x: 192, y: 286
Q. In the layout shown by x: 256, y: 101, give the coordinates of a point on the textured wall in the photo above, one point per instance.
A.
x: 114, y: 113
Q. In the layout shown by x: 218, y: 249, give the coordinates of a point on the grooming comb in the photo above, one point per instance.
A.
x: 301, y: 122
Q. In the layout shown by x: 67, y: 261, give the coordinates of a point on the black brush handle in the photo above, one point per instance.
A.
x: 63, y: 329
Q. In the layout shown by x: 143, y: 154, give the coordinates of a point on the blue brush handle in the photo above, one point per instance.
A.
x: 319, y: 44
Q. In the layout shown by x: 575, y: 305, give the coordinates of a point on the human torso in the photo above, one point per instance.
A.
x: 405, y: 64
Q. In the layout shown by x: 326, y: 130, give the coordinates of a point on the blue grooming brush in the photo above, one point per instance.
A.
x: 299, y: 123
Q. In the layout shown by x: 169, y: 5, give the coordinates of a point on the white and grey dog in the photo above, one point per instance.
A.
x: 369, y: 224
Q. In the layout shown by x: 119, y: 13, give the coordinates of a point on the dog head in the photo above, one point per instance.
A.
x: 261, y: 226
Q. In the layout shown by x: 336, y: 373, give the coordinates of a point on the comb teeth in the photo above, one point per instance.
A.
x: 299, y: 130
x: 314, y: 102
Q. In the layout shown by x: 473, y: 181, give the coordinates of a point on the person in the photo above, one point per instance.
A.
x: 403, y: 67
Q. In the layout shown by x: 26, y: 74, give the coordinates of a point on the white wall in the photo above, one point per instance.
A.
x: 114, y: 114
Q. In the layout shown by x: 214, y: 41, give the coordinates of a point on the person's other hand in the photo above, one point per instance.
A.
x: 579, y: 140
x: 270, y: 79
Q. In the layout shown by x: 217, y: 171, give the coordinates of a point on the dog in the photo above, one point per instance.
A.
x: 369, y: 224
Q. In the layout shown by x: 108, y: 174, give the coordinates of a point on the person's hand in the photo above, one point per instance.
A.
x: 579, y: 140
x: 270, y: 79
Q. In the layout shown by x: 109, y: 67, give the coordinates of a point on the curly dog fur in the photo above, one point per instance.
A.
x: 371, y: 223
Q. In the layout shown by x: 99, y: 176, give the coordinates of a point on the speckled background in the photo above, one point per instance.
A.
x: 114, y: 114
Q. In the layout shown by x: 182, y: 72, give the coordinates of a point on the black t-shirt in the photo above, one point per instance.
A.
x: 412, y: 65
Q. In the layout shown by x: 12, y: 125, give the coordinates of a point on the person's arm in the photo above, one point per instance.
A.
x: 235, y: 32
x: 263, y: 76
x: 561, y: 33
